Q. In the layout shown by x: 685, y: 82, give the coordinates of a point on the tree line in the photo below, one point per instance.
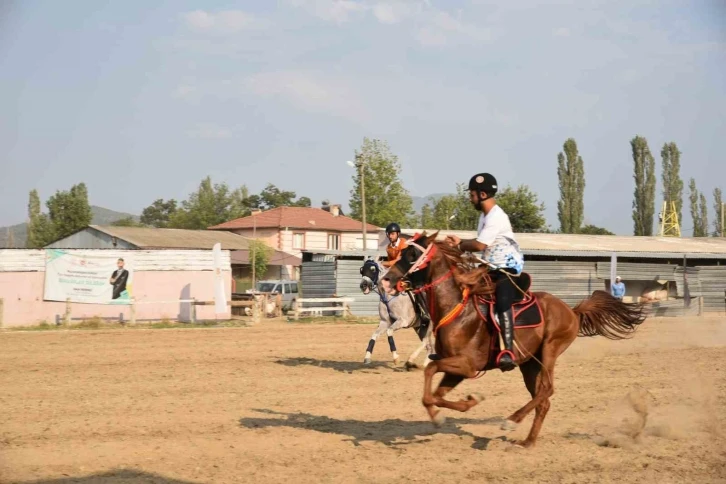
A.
x: 387, y: 200
x: 211, y: 204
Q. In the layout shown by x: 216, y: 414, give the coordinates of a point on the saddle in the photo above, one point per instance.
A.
x: 526, y: 312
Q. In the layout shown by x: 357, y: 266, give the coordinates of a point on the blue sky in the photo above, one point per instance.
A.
x: 141, y: 99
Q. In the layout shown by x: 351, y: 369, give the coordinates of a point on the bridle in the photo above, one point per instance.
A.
x: 423, y: 261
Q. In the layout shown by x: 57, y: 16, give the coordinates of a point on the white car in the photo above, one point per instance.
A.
x: 288, y: 289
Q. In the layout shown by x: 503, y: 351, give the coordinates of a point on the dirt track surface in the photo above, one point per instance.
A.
x: 292, y: 403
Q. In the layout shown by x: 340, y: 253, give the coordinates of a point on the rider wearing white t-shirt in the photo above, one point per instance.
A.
x: 495, y: 240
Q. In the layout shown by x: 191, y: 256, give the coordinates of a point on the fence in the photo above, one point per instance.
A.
x: 336, y: 305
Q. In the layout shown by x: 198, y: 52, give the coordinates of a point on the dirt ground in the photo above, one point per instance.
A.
x: 283, y: 402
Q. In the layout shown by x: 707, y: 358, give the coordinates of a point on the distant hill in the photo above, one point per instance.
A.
x: 101, y: 216
x: 419, y: 202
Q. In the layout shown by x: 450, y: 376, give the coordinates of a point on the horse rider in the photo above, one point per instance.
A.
x: 396, y: 244
x: 495, y: 239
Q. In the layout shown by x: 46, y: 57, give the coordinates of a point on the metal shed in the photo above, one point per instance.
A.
x: 337, y: 273
x: 570, y: 267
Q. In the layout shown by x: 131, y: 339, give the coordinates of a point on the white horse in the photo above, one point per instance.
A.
x: 396, y: 311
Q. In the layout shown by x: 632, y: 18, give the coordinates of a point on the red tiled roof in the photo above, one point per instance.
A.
x: 296, y: 218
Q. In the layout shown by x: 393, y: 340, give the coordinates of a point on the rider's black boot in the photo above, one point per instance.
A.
x: 505, y: 360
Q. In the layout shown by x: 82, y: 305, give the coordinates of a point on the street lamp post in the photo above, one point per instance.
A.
x: 360, y: 165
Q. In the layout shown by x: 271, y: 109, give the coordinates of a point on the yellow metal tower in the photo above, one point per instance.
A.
x: 669, y: 226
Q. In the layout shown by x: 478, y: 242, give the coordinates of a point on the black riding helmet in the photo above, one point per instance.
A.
x: 483, y: 182
x: 393, y: 227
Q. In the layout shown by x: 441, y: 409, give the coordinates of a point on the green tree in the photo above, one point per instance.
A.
x: 445, y: 208
x: 644, y: 196
x: 159, y: 213
x: 209, y: 205
x: 467, y: 217
x: 386, y: 199
x: 718, y: 208
x: 704, y: 214
x: 40, y: 230
x: 594, y: 230
x: 273, y: 197
x: 427, y: 217
x: 69, y: 211
x: 525, y: 212
x: 672, y: 182
x: 699, y: 211
x: 127, y: 222
x: 571, y: 175
x: 260, y: 254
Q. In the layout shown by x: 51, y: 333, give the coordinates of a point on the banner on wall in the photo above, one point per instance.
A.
x: 87, y: 277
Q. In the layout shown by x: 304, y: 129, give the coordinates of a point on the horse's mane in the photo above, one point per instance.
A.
x: 465, y: 272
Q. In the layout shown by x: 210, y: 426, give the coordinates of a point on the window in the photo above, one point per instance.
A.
x: 287, y: 288
x: 298, y: 241
x: 333, y: 242
x: 293, y: 288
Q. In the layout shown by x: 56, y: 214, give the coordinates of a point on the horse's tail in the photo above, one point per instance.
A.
x: 604, y: 315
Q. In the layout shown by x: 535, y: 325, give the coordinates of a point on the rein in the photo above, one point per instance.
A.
x: 421, y: 263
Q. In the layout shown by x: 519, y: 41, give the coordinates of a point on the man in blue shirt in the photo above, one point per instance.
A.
x: 618, y: 289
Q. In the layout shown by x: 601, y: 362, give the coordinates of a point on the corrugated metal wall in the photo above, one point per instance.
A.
x: 712, y: 280
x: 318, y: 278
x: 348, y: 285
x: 633, y: 271
x: 572, y: 281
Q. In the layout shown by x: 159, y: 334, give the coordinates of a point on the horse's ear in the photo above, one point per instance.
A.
x: 431, y: 237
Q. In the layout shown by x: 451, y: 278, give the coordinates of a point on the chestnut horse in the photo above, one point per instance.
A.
x: 464, y: 339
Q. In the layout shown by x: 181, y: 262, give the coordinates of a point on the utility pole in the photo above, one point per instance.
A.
x: 254, y: 248
x: 361, y: 167
x: 363, y: 199
x: 723, y: 206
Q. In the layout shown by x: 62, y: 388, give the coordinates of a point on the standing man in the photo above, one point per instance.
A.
x: 118, y: 279
x: 495, y: 239
x: 618, y: 289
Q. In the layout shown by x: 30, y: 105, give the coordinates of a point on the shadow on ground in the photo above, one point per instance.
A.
x: 341, y: 366
x: 112, y: 477
x: 391, y: 432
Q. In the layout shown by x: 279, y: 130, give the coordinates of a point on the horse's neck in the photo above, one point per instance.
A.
x: 447, y: 293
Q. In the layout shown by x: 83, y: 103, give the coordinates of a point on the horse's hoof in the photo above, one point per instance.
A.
x: 367, y: 361
x: 477, y: 397
x: 395, y: 361
x: 411, y: 366
x: 522, y: 444
x: 438, y: 420
x: 509, y: 425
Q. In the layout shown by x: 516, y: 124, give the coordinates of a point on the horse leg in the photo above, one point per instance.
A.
x: 382, y: 326
x: 428, y: 343
x: 392, y: 345
x: 544, y: 389
x: 456, y: 368
x: 410, y: 363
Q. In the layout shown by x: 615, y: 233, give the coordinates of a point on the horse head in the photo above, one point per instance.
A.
x: 412, y: 268
x: 370, y: 272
